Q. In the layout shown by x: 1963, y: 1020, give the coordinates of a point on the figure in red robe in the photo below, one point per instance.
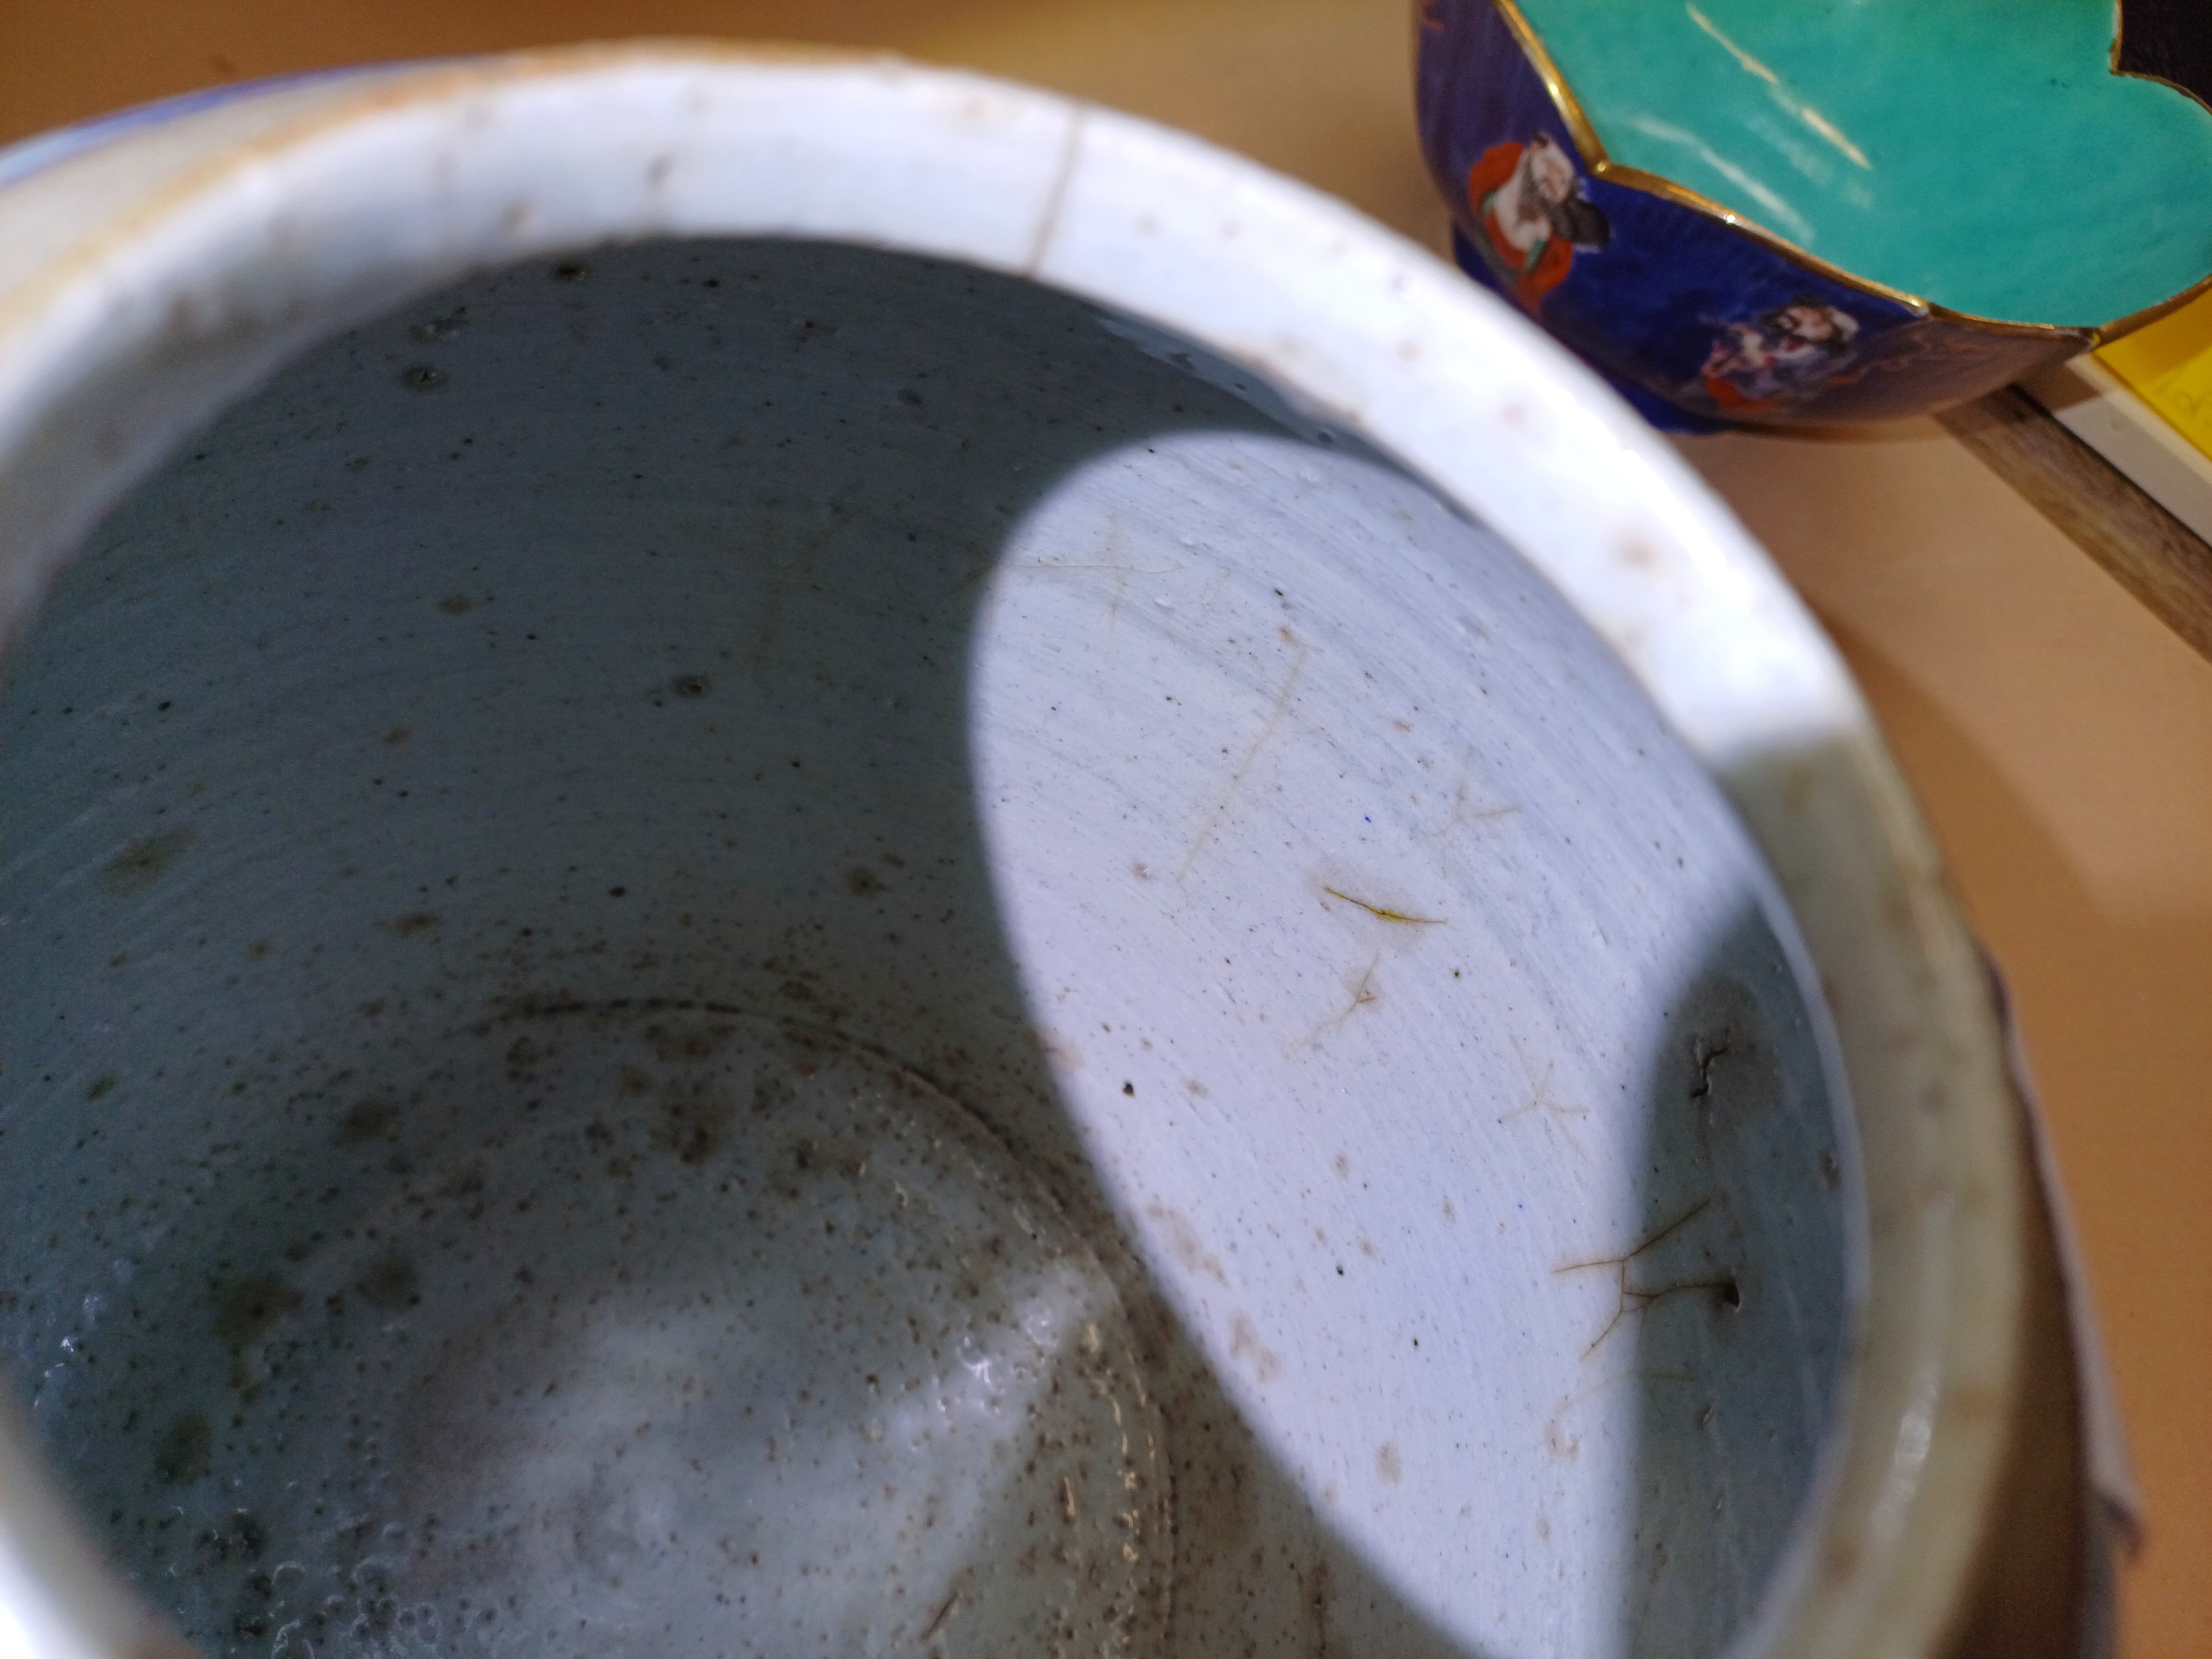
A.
x: 1534, y: 216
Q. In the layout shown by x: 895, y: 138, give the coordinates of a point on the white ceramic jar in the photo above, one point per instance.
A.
x: 798, y: 855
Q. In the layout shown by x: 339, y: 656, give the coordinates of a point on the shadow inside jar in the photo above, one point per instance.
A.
x: 536, y: 1116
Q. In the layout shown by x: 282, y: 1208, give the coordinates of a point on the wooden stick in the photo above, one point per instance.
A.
x: 2144, y: 547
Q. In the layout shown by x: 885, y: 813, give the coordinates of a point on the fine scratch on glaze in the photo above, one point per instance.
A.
x: 1071, y: 152
x: 1364, y: 994
x: 1463, y: 817
x: 1703, y: 1056
x: 1384, y: 913
x: 1116, y: 564
x: 1213, y: 823
x: 945, y: 1613
x: 1562, y: 1444
x: 1636, y: 1301
x: 1555, y: 1112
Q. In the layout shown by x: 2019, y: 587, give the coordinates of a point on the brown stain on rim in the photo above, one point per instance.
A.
x: 1639, y: 551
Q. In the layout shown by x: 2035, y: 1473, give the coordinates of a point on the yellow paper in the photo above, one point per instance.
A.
x: 2169, y: 366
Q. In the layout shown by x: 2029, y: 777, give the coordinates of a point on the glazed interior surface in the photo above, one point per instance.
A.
x: 1976, y: 153
x: 761, y: 948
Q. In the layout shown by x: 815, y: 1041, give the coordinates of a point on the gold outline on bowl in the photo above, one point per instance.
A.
x: 2151, y: 313
x: 1602, y: 166
x: 2119, y: 38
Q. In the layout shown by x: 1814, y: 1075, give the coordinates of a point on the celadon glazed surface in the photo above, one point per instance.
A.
x: 1979, y: 153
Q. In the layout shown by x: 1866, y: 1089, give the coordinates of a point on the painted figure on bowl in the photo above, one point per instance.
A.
x: 1733, y: 158
x: 1536, y: 214
x: 1781, y: 357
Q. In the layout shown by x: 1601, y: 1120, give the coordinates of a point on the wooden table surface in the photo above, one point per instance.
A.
x: 2059, y: 738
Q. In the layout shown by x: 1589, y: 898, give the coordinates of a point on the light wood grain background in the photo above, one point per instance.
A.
x: 2059, y: 738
